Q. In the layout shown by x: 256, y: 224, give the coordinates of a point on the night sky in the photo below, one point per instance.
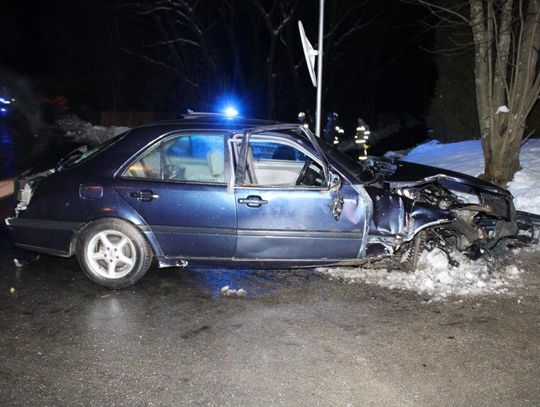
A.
x: 111, y: 55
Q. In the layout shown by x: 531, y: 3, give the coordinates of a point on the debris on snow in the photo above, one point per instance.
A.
x: 502, y: 109
x: 436, y: 278
x: 228, y: 292
x: 241, y: 292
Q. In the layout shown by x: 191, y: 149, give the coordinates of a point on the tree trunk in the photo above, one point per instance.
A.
x: 503, y: 160
x: 502, y: 104
x: 507, y: 77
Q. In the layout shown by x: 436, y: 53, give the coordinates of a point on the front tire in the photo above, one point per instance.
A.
x: 113, y: 253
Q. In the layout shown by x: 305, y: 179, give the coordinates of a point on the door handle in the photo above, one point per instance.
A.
x: 253, y: 201
x: 144, y: 196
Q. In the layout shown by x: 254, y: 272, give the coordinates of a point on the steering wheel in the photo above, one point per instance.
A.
x: 303, y: 172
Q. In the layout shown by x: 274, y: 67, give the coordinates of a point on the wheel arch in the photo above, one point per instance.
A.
x: 144, y: 229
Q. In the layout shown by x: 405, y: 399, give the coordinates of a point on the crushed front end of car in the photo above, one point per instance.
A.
x: 476, y: 219
x: 474, y: 215
x: 417, y: 207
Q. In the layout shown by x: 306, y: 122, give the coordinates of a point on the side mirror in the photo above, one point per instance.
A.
x: 335, y: 182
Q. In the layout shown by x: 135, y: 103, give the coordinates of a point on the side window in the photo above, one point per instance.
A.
x: 276, y: 164
x: 192, y: 158
x: 275, y: 151
x: 148, y: 166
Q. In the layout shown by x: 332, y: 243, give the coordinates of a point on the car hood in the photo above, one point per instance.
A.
x: 403, y: 174
x: 398, y: 174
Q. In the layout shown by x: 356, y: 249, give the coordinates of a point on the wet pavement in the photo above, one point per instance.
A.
x: 297, y: 338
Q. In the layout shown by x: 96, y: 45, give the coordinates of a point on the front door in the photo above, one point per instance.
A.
x: 285, y: 209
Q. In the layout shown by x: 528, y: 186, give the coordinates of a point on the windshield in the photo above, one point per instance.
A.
x: 77, y: 157
x: 364, y: 171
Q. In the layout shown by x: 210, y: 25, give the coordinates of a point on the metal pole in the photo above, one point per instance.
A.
x: 320, y: 69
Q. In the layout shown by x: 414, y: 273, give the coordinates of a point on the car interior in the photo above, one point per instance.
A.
x: 185, y: 158
x: 200, y: 158
x: 271, y: 163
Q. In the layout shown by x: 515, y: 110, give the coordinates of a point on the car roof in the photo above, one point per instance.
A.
x: 138, y: 138
x: 211, y: 120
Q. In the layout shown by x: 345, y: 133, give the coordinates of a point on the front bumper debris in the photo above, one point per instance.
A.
x: 529, y: 223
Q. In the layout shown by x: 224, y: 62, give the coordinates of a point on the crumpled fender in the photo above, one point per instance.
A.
x: 396, y: 215
x: 423, y: 215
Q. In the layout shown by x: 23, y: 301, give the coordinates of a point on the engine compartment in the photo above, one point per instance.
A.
x: 454, y: 214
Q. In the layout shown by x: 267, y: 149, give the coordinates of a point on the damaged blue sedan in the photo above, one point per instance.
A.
x: 210, y: 190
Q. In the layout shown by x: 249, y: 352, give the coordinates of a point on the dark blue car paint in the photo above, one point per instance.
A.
x: 296, y: 223
x: 206, y: 223
x: 188, y: 220
x: 58, y: 197
x: 57, y: 212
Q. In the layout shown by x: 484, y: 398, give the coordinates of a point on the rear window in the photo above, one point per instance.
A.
x: 76, y: 159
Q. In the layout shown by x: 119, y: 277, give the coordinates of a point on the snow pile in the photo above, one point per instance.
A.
x: 436, y: 278
x: 526, y: 183
x: 467, y: 157
x: 82, y: 132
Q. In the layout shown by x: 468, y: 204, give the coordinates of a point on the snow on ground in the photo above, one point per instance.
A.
x: 466, y: 157
x: 526, y: 183
x: 436, y: 278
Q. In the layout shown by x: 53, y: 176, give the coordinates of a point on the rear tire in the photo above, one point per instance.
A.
x: 113, y: 253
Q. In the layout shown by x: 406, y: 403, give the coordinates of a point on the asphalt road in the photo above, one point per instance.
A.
x: 296, y: 339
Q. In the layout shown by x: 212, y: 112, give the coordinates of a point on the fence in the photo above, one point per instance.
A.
x: 132, y: 119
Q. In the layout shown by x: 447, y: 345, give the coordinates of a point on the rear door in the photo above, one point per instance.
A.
x: 179, y: 187
x: 284, y: 207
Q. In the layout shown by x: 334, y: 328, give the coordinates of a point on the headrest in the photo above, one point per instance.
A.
x: 216, y: 163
